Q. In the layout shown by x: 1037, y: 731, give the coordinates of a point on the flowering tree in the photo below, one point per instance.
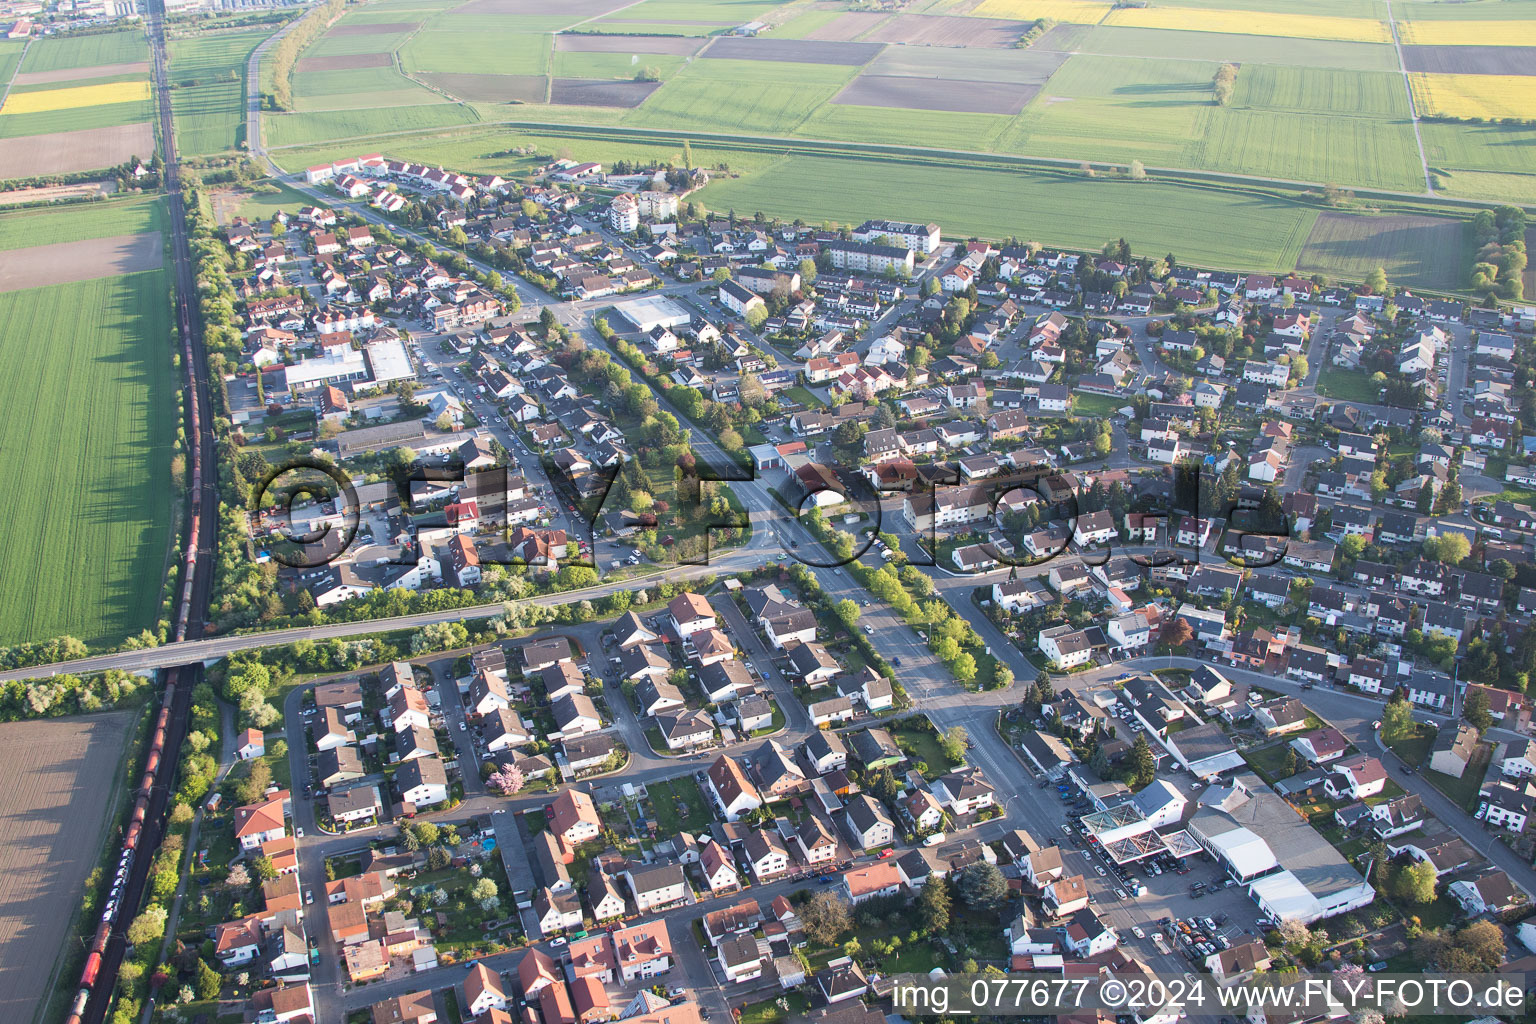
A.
x: 506, y: 781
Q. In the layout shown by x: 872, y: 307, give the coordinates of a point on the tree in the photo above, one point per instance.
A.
x: 438, y: 858
x: 1426, y: 499
x: 1178, y: 632
x: 1416, y: 883
x: 238, y: 877
x: 426, y: 832
x: 483, y: 889
x: 148, y: 926
x: 1352, y: 546
x: 254, y: 786
x: 1475, y: 710
x: 1450, y: 548
x: 208, y: 981
x: 933, y: 905
x: 1376, y: 281
x: 954, y: 743
x: 807, y: 271
x: 1292, y: 762
x: 825, y: 917
x: 964, y: 668
x: 264, y: 868
x: 1145, y: 764
x: 983, y: 887
x: 1396, y: 718
x: 847, y: 612
x: 506, y: 780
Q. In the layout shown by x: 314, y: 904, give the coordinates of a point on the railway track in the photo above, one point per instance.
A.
x: 152, y: 797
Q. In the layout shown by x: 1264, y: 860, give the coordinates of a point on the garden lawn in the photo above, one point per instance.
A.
x: 1414, y: 748
x: 1096, y: 406
x: 1465, y: 790
x: 665, y: 797
x: 1269, y: 761
x: 1350, y: 385
x: 88, y: 414
x: 922, y: 745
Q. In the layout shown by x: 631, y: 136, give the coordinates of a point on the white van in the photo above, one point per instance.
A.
x: 934, y: 840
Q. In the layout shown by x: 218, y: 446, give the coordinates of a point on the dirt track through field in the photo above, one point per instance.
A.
x: 936, y: 94
x: 80, y: 74
x: 1471, y: 60
x: 65, y: 152
x: 60, y: 776
x: 681, y: 46
x: 63, y: 262
x: 380, y: 28
x: 798, y: 51
x: 346, y: 62
x: 595, y: 92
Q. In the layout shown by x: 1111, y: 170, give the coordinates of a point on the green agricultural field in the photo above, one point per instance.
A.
x: 208, y: 90
x: 1417, y: 251
x: 1466, y: 10
x: 75, y: 83
x: 77, y: 223
x: 86, y: 51
x: 88, y: 420
x: 1480, y: 147
x: 1339, y: 8
x: 104, y: 115
x: 332, y: 45
x: 10, y: 56
x: 1118, y: 41
x: 763, y: 97
x: 322, y: 125
x: 570, y: 64
x: 478, y: 51
x: 1322, y: 91
x: 471, y: 151
x: 1104, y: 108
x: 726, y: 13
x: 1489, y: 185
x: 362, y: 87
x: 896, y: 127
x: 1307, y: 147
x: 1203, y: 227
x: 802, y: 25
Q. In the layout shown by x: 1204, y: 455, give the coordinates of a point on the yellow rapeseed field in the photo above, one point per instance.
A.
x: 1252, y: 23
x: 1468, y: 33
x: 1080, y: 12
x: 75, y: 96
x: 1489, y: 96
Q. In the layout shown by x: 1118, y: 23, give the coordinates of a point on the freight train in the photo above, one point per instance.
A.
x: 99, y: 975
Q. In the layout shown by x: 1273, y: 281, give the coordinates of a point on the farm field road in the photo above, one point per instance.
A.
x: 57, y: 791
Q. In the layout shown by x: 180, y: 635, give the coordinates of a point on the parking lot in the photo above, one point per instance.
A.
x: 1181, y: 909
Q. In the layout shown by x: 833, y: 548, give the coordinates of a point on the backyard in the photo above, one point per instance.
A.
x: 678, y: 805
